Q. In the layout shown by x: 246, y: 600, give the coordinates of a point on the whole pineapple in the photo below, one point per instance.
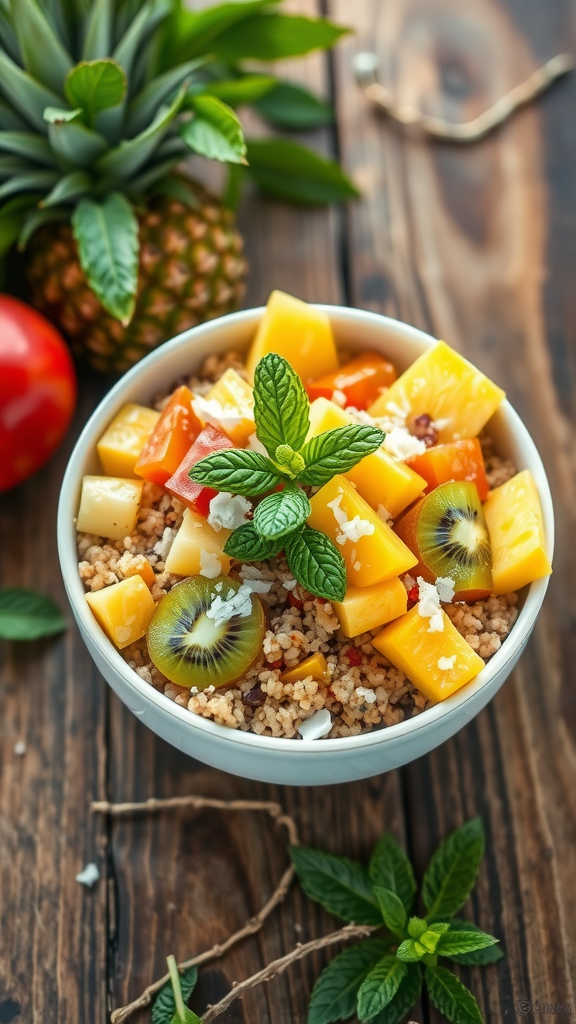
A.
x: 100, y: 102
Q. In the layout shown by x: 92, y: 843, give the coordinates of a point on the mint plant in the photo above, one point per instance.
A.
x: 282, y: 418
x: 169, y: 1006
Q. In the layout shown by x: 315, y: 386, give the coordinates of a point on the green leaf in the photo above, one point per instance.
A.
x: 480, y: 957
x: 416, y: 927
x: 25, y: 93
x: 452, y: 871
x: 246, y: 545
x: 268, y: 36
x: 70, y: 186
x: 380, y: 986
x: 281, y: 513
x: 451, y: 997
x: 236, y: 91
x: 95, y: 86
x: 390, y: 868
x: 392, y: 909
x: 337, y: 451
x: 281, y: 406
x: 44, y: 56
x: 36, y: 219
x: 334, y: 996
x: 28, y: 181
x: 164, y: 1007
x: 408, y: 993
x: 340, y: 885
x: 238, y: 471
x: 27, y: 615
x: 293, y: 107
x: 71, y: 140
x: 190, y: 33
x: 317, y: 564
x: 288, y: 170
x: 463, y: 942
x: 410, y: 951
x: 29, y: 145
x: 98, y: 30
x: 143, y: 107
x: 125, y: 160
x: 140, y: 27
x: 215, y: 132
x: 107, y: 238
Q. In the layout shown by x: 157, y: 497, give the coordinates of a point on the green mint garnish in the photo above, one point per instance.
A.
x: 281, y: 513
x: 337, y: 451
x: 316, y: 563
x: 281, y: 406
x: 452, y: 871
x: 291, y: 461
x: 380, y: 986
x: 246, y: 544
x: 169, y: 1006
x: 27, y: 615
x: 238, y: 471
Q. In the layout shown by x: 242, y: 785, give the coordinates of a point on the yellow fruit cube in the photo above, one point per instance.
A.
x: 315, y: 666
x: 198, y: 549
x: 123, y: 610
x: 371, y: 550
x: 299, y: 333
x: 437, y: 663
x: 124, y: 438
x: 514, y: 519
x: 458, y: 397
x: 140, y: 566
x: 236, y: 399
x: 365, y: 608
x: 109, y: 506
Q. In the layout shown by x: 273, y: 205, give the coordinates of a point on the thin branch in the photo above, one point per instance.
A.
x: 351, y: 931
x: 467, y: 131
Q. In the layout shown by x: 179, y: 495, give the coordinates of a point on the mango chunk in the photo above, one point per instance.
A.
x: 437, y: 663
x: 299, y: 333
x: 371, y: 550
x: 315, y: 666
x: 514, y: 519
x: 123, y: 610
x: 236, y: 399
x: 198, y: 549
x: 378, y: 478
x: 109, y: 506
x: 365, y: 608
x: 459, y: 398
x: 140, y: 566
x: 125, y: 437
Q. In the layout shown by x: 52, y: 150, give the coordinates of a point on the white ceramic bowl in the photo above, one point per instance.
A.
x: 292, y: 762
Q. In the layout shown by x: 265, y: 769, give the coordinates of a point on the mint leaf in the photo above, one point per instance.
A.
x: 281, y: 406
x: 407, y: 994
x: 390, y: 868
x: 27, y: 615
x: 452, y: 871
x: 463, y: 942
x: 291, y: 106
x: 237, y: 91
x: 164, y: 1006
x: 340, y: 885
x: 380, y: 987
x: 246, y: 545
x: 335, y: 994
x: 287, y: 170
x: 215, y: 132
x: 274, y: 36
x: 337, y: 451
x: 451, y: 997
x: 479, y: 957
x: 316, y: 563
x: 410, y: 951
x: 416, y: 927
x: 392, y: 908
x: 106, y: 234
x: 95, y: 85
x: 236, y: 470
x: 281, y: 513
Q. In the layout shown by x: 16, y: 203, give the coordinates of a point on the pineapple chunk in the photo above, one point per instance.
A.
x: 437, y: 663
x: 124, y: 438
x: 458, y: 397
x: 299, y: 333
x: 140, y: 566
x: 123, y: 610
x: 514, y: 519
x: 365, y: 608
x: 198, y: 550
x: 379, y: 478
x: 236, y: 399
x: 109, y: 506
x: 315, y: 666
x: 371, y: 550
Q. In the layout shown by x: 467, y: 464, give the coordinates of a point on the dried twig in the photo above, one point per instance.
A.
x: 351, y: 931
x: 467, y: 131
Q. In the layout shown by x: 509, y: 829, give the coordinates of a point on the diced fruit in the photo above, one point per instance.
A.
x: 437, y: 663
x: 123, y: 610
x: 379, y: 478
x: 299, y: 333
x: 447, y: 532
x: 170, y: 440
x: 516, y: 529
x: 461, y: 460
x: 360, y: 381
x: 109, y: 506
x: 371, y: 550
x: 123, y: 440
x: 195, y: 496
x: 365, y: 608
x: 198, y: 549
x: 194, y: 648
x: 140, y: 566
x: 236, y: 399
x: 315, y: 666
x: 459, y: 398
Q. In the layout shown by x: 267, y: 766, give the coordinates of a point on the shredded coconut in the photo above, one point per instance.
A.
x: 383, y: 514
x: 444, y: 664
x: 237, y: 602
x: 289, y: 584
x: 445, y: 587
x: 162, y: 547
x: 210, y: 564
x: 368, y: 694
x: 339, y: 398
x: 317, y: 726
x: 402, y: 445
x: 228, y: 511
x: 350, y: 529
x: 429, y: 606
x: 88, y: 875
x: 20, y: 748
x: 209, y: 410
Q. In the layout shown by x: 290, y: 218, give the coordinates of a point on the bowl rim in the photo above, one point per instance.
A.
x: 66, y: 534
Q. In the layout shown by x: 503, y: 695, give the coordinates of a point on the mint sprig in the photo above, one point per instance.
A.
x: 27, y: 615
x: 164, y: 1006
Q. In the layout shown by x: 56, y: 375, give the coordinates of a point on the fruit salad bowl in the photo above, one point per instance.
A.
x: 270, y: 759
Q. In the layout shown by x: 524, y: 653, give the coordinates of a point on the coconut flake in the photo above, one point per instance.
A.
x: 368, y: 695
x: 445, y: 664
x: 383, y: 514
x: 236, y: 602
x: 20, y: 748
x: 429, y: 606
x: 209, y: 410
x: 228, y: 511
x: 357, y: 566
x: 162, y: 547
x: 445, y: 587
x: 402, y: 445
x: 210, y: 564
x: 350, y: 529
x: 289, y: 584
x: 317, y: 726
x: 254, y: 445
x: 339, y: 398
x: 89, y: 875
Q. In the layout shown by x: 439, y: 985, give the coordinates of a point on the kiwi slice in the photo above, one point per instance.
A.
x: 191, y: 647
x: 452, y: 538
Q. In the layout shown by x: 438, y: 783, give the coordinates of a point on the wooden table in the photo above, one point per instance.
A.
x: 476, y: 245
